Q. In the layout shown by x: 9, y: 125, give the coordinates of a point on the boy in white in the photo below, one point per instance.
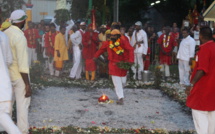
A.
x: 76, y: 39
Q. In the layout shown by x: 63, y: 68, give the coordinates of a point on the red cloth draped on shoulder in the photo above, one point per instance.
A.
x: 49, y: 43
x: 89, y: 49
x: 127, y: 56
x: 164, y: 58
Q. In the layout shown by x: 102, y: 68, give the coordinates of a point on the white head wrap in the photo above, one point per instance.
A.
x: 138, y: 23
x: 17, y: 16
x: 83, y: 23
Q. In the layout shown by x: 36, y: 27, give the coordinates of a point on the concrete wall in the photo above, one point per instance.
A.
x: 42, y: 6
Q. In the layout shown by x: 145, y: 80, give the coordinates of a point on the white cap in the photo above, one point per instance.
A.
x: 138, y: 23
x: 18, y: 16
x: 83, y: 23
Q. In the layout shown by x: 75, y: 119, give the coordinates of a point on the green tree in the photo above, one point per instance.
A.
x: 7, y: 6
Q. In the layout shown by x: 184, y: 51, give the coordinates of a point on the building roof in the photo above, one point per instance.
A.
x: 209, y: 14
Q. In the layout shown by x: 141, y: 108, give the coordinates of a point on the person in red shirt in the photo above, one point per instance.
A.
x: 90, y: 43
x: 32, y: 36
x: 119, y: 50
x: 166, y: 44
x: 201, y: 92
x: 49, y: 46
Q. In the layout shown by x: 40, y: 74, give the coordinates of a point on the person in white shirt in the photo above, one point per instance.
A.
x: 139, y: 41
x: 47, y: 29
x: 185, y: 54
x: 76, y: 39
x: 19, y: 70
x: 6, y: 87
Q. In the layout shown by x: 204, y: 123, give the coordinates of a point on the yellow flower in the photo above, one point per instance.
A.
x: 111, y: 46
x: 117, y: 43
x: 158, y: 67
x: 37, y: 62
x: 118, y: 52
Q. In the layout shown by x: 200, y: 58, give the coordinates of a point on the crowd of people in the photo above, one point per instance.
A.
x: 137, y: 46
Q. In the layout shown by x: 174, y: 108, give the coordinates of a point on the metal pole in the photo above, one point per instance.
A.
x: 116, y: 10
x: 90, y: 6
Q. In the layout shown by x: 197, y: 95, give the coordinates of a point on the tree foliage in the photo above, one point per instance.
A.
x: 7, y: 6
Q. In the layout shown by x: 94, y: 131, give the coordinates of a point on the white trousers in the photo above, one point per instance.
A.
x: 52, y: 70
x: 139, y: 65
x: 22, y: 105
x: 77, y: 65
x: 32, y: 55
x: 165, y: 69
x: 204, y: 121
x: 119, y: 83
x: 5, y: 119
x: 184, y: 69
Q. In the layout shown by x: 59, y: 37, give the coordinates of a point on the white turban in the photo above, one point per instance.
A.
x: 138, y: 23
x: 17, y: 16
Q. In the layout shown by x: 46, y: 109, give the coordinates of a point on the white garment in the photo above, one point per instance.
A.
x: 22, y: 105
x: 165, y: 69
x: 32, y: 55
x: 196, y: 37
x: 138, y: 66
x: 5, y: 47
x: 5, y: 61
x: 51, y: 66
x: 184, y: 69
x: 43, y: 46
x: 76, y: 39
x: 140, y: 36
x: 186, y: 49
x: 204, y: 121
x: 119, y: 83
x: 5, y: 119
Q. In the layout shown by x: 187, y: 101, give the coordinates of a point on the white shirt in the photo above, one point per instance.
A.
x: 6, y: 50
x: 196, y: 35
x: 186, y: 49
x: 76, y: 39
x: 5, y: 59
x: 141, y: 36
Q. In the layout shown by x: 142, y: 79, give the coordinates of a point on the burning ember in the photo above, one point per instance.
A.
x: 103, y: 98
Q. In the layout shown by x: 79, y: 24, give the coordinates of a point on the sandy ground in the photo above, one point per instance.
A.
x: 79, y: 107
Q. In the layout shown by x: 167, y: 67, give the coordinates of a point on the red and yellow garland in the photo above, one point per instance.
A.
x: 116, y: 47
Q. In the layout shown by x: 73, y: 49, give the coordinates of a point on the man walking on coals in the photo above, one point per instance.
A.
x: 119, y: 50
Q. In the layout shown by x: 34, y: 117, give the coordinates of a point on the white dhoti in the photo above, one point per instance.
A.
x: 165, y: 69
x: 204, y: 121
x: 139, y: 65
x: 22, y: 105
x: 51, y: 66
x: 5, y: 119
x: 184, y: 70
x: 119, y: 83
x: 77, y: 64
x: 32, y: 55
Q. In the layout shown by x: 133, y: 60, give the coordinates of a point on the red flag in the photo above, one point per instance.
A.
x: 93, y: 19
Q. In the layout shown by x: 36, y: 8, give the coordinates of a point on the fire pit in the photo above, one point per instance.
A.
x: 104, y: 99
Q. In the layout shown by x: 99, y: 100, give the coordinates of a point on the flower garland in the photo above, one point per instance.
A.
x: 32, y: 39
x: 166, y: 43
x: 50, y: 39
x: 116, y: 47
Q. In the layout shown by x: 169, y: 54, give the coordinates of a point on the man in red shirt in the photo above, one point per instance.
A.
x: 166, y: 44
x: 49, y: 46
x: 90, y: 43
x: 201, y: 92
x: 119, y: 50
x: 32, y: 36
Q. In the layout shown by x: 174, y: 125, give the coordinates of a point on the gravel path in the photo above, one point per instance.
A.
x: 79, y: 107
